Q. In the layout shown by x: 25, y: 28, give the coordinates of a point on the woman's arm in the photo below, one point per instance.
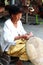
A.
x: 26, y: 36
x: 20, y: 37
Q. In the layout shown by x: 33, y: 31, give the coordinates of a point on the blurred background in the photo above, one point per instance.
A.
x: 33, y: 10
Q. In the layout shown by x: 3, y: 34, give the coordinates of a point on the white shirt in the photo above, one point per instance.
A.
x: 10, y: 32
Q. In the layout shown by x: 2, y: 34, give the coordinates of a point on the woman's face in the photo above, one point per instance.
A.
x: 17, y: 17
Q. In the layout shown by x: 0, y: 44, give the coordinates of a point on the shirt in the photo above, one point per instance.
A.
x: 10, y: 32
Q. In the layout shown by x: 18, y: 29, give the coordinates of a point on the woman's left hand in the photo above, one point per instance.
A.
x: 29, y: 35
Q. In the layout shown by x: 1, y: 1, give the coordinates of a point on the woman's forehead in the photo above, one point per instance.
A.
x: 17, y: 14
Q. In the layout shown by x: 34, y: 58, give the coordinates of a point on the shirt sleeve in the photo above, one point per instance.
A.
x: 8, y: 37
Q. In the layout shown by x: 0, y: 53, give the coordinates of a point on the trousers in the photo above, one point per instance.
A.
x: 19, y: 50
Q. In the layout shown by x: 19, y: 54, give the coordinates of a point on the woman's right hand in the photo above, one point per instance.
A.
x: 24, y: 36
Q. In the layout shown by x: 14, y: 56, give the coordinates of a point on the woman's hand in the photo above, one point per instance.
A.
x: 29, y: 35
x: 21, y: 37
x: 26, y: 36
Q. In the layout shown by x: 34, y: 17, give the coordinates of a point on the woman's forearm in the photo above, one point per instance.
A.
x: 26, y: 36
x: 18, y: 37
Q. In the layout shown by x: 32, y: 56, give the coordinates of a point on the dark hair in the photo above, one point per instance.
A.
x: 12, y: 9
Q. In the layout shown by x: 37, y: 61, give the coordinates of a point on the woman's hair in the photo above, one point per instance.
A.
x: 12, y: 9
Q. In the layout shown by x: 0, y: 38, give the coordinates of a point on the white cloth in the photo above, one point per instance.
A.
x: 34, y: 48
x: 10, y: 32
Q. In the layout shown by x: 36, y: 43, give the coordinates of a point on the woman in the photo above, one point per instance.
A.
x: 14, y: 35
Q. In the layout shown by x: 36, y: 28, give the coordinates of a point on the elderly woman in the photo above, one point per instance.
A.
x: 16, y: 42
x: 14, y: 35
